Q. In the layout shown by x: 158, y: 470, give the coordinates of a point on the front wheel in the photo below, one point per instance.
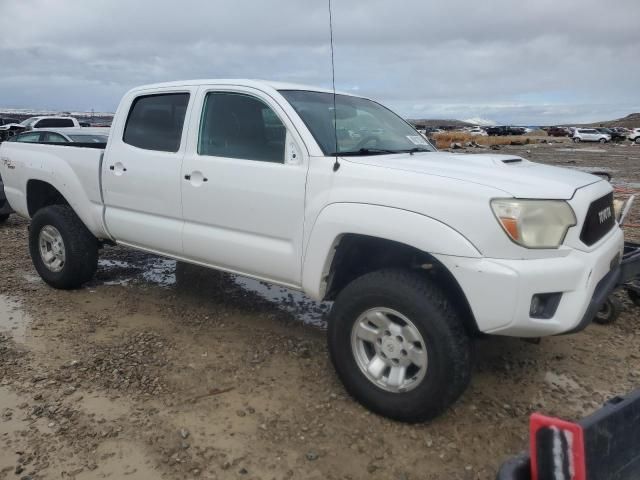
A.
x: 63, y: 251
x: 398, y: 346
x: 603, y: 140
x: 637, y: 140
x: 576, y: 140
x: 4, y: 218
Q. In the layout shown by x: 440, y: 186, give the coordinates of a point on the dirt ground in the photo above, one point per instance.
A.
x: 165, y: 370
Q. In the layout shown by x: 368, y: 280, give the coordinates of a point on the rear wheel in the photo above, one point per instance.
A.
x: 637, y: 140
x: 397, y: 345
x: 63, y: 251
x: 4, y: 218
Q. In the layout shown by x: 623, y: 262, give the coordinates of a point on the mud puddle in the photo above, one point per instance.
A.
x: 142, y: 269
x: 13, y: 321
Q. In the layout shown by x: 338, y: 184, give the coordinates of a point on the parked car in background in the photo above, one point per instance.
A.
x: 624, y: 131
x: 634, y: 135
x: 590, y: 135
x: 64, y: 135
x: 516, y: 130
x: 9, y: 127
x: 8, y: 121
x: 477, y: 132
x: 496, y: 131
x: 504, y: 130
x: 50, y: 122
x: 615, y: 136
x: 558, y: 132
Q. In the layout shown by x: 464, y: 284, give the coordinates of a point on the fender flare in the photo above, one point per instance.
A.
x: 403, y: 226
x: 85, y: 200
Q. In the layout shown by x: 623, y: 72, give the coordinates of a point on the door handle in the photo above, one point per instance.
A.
x: 196, y: 177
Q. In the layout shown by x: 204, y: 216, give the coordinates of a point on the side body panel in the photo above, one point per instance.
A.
x: 142, y: 188
x: 248, y: 215
x: 74, y: 172
x: 402, y: 226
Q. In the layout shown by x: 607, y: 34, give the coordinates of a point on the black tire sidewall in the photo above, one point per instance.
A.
x: 80, y: 247
x: 614, y: 309
x: 448, y: 369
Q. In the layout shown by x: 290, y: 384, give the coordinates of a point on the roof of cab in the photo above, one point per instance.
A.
x: 263, y: 85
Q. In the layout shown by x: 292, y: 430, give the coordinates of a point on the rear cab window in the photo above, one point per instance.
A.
x: 155, y: 122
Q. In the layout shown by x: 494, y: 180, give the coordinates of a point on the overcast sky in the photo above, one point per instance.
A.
x: 523, y: 62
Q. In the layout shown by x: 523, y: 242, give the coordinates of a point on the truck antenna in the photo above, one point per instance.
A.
x: 336, y: 164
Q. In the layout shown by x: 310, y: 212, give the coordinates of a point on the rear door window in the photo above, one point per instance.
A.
x: 155, y: 122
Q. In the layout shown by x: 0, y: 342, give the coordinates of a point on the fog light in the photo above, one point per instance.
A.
x: 544, y: 305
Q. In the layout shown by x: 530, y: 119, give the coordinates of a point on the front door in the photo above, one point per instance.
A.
x: 141, y: 179
x: 243, y: 192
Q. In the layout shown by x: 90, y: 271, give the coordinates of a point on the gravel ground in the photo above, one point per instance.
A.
x: 165, y: 370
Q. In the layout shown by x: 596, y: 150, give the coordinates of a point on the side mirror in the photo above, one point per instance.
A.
x: 292, y: 153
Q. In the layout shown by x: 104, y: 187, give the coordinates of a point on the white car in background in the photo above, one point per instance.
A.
x: 634, y: 135
x: 590, y: 135
x: 477, y: 132
x: 86, y: 135
x: 50, y: 122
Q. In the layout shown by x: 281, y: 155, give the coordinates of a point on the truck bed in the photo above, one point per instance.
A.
x: 71, y: 167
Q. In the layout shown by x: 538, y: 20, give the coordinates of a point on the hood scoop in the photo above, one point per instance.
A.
x: 512, y: 160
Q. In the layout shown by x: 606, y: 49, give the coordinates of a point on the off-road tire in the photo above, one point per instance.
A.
x: 4, y: 218
x: 81, y: 247
x: 609, y: 312
x: 448, y: 345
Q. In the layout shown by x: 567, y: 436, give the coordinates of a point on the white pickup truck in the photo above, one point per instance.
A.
x: 420, y: 250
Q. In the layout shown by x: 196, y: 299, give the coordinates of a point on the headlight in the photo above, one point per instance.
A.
x: 534, y: 223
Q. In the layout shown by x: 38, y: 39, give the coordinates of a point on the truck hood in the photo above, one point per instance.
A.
x: 513, y: 175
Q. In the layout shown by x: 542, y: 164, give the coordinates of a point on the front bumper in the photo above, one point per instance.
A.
x: 499, y: 291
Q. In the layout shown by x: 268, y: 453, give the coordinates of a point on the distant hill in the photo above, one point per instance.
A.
x: 439, y: 123
x: 630, y: 121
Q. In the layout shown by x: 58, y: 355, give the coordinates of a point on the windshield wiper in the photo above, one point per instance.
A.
x: 413, y: 150
x: 364, y: 151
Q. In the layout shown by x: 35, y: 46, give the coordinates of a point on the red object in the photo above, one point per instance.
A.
x: 538, y: 422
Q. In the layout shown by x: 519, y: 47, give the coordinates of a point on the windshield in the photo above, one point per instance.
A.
x: 363, y: 127
x: 88, y: 138
x: 28, y: 121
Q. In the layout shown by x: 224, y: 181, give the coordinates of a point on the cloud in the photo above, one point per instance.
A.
x: 539, y: 62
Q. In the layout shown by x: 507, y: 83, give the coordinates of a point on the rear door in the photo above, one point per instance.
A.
x: 243, y: 186
x: 141, y: 170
